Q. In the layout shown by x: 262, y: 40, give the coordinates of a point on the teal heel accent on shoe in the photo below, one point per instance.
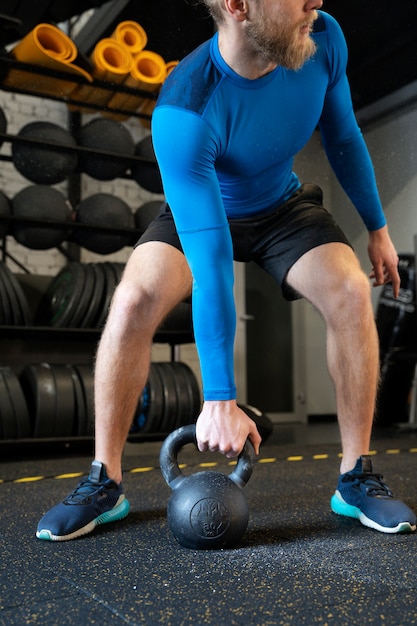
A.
x: 119, y: 512
x: 340, y: 507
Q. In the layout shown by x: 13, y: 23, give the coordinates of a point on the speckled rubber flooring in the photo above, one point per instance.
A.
x: 297, y: 564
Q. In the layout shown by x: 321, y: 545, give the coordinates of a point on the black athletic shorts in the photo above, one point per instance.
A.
x: 274, y: 240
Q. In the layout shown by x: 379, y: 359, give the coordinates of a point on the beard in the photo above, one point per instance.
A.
x: 281, y: 43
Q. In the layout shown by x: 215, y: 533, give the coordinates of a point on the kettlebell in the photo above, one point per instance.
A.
x: 207, y: 510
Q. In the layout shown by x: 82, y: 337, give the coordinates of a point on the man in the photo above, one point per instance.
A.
x: 227, y: 125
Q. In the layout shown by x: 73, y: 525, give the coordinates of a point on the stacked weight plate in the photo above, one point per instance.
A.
x: 14, y: 415
x: 79, y: 296
x: 14, y: 309
x: 170, y: 399
x: 59, y: 399
x: 50, y: 401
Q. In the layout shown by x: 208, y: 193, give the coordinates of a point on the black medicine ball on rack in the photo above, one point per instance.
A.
x: 104, y: 214
x: 146, y: 173
x: 42, y: 163
x: 46, y: 204
x: 108, y: 136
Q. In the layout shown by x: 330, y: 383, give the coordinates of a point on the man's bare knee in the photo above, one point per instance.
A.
x: 155, y: 280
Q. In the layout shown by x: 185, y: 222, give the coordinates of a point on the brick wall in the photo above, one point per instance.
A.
x: 20, y: 110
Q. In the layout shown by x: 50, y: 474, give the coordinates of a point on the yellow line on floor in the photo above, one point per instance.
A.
x: 262, y: 460
x: 72, y: 475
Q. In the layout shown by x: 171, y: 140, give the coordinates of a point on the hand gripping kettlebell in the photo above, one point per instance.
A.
x: 207, y: 510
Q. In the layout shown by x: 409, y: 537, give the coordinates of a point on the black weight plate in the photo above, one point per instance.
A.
x: 156, y: 405
x: 109, y: 290
x: 38, y: 386
x: 80, y: 425
x: 84, y: 301
x: 4, y: 319
x: 149, y: 412
x: 156, y: 399
x: 95, y: 295
x: 81, y: 318
x: 140, y: 419
x: 185, y: 395
x: 101, y: 296
x: 86, y: 376
x: 118, y: 268
x: 22, y: 303
x: 18, y: 402
x: 8, y: 428
x: 15, y: 314
x: 65, y: 405
x: 170, y: 413
x: 155, y: 408
x: 196, y: 391
x: 62, y: 297
x: 194, y: 387
x: 113, y: 267
x: 6, y: 306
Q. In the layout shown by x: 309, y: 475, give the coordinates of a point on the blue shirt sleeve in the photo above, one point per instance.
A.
x: 185, y: 154
x: 344, y: 144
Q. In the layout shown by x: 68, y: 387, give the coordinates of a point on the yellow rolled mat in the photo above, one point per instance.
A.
x: 131, y: 35
x: 49, y: 47
x: 111, y: 63
x: 147, y: 74
x: 170, y: 66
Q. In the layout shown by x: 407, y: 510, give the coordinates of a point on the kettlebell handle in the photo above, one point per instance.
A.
x: 187, y: 434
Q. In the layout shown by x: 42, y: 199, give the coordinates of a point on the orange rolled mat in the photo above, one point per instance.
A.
x: 131, y: 35
x: 49, y: 47
x: 111, y: 63
x: 170, y: 66
x: 147, y: 74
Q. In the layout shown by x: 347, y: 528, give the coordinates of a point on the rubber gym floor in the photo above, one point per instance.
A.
x: 297, y: 563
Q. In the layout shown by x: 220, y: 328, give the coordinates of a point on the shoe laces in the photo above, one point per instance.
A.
x: 84, y: 490
x: 374, y: 484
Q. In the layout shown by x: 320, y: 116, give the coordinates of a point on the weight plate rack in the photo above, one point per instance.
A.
x: 54, y: 401
x: 14, y: 309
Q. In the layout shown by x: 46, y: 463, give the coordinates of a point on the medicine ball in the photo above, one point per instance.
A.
x: 40, y: 202
x: 3, y: 124
x: 5, y: 210
x: 40, y: 163
x: 146, y: 173
x: 146, y: 213
x: 110, y: 136
x: 103, y: 213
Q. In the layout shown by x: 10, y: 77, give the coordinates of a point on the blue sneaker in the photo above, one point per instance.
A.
x: 96, y: 500
x: 362, y: 494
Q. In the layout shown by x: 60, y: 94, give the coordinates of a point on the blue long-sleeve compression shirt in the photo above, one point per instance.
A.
x: 225, y: 147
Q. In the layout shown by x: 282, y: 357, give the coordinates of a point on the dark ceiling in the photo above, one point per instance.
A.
x: 380, y: 35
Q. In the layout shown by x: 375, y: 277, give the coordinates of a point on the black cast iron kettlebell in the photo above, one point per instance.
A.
x: 207, y: 510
